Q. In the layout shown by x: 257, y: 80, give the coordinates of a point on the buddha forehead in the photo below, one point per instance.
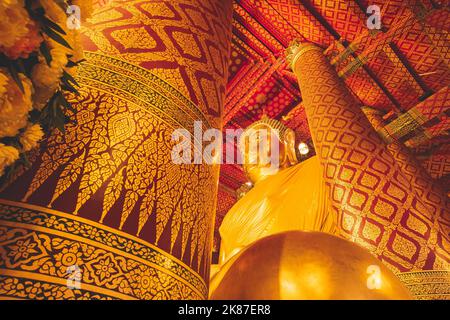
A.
x: 262, y: 126
x: 265, y: 128
x: 260, y: 131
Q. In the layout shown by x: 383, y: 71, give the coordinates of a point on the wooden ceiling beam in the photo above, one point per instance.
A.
x: 307, y: 4
x: 426, y: 90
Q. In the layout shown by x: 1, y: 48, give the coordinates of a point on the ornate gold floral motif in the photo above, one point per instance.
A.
x: 37, y: 246
x: 121, y: 147
x: 113, y: 166
x: 19, y: 288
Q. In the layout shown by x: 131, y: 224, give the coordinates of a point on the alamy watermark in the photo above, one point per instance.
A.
x: 261, y: 146
x: 74, y: 17
x: 74, y: 279
x: 374, y: 279
x: 374, y: 20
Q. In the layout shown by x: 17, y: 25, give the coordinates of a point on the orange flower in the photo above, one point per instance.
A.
x: 13, y: 22
x: 31, y: 136
x: 46, y: 79
x: 14, y: 104
x: 8, y: 155
x: 25, y: 45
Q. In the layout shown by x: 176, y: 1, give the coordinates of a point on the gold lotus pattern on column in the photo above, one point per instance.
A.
x: 120, y: 148
x: 151, y: 67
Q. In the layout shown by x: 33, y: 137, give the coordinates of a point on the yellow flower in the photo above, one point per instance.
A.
x: 14, y: 105
x: 8, y: 155
x: 13, y: 22
x: 31, y: 137
x: 54, y: 12
x: 77, y: 47
x: 19, y: 35
x: 25, y: 45
x: 59, y: 58
x: 3, y: 83
x: 46, y: 82
x: 46, y: 79
x: 7, y: 2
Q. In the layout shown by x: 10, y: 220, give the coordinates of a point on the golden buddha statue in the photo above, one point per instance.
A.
x: 278, y: 240
x: 291, y: 197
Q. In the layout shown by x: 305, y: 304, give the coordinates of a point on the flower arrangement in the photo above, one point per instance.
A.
x: 39, y: 53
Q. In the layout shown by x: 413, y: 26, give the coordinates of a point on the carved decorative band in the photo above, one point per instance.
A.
x: 427, y: 285
x: 39, y: 247
x: 140, y: 86
x: 302, y: 50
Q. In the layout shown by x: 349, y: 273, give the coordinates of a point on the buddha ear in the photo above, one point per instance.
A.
x: 289, y: 140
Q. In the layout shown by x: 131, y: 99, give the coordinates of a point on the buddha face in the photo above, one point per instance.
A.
x: 265, y: 153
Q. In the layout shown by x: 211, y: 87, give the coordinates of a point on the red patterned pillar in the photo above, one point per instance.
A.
x: 105, y: 196
x: 373, y: 199
x: 430, y: 192
x: 431, y: 196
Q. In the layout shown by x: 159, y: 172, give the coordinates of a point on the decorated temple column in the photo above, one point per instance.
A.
x: 103, y: 212
x: 430, y: 192
x: 428, y: 284
x: 375, y: 203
